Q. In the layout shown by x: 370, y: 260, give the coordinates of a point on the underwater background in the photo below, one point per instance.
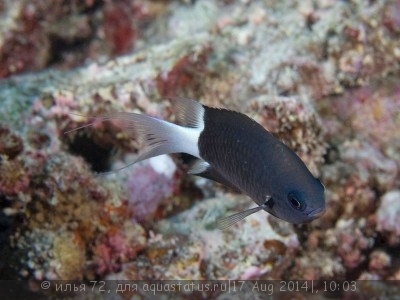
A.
x: 322, y: 76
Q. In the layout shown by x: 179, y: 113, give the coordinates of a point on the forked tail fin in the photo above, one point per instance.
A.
x: 157, y: 136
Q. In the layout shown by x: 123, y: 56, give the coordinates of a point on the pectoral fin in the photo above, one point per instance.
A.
x: 205, y: 170
x: 225, y: 223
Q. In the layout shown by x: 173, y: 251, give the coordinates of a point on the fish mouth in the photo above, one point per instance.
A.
x: 316, y: 213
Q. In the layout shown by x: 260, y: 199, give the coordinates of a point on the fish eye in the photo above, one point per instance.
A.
x: 296, y: 201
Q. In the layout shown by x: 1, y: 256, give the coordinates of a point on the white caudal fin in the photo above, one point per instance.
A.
x: 157, y: 136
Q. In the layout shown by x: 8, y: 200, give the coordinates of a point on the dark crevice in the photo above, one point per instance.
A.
x: 7, y: 272
x: 355, y: 273
x: 332, y: 154
x: 60, y: 46
x: 98, y: 157
x: 97, y: 5
x: 187, y: 159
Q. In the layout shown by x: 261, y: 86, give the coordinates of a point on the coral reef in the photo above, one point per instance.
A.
x: 11, y: 144
x: 209, y: 253
x: 40, y: 34
x: 320, y: 75
x: 82, y: 212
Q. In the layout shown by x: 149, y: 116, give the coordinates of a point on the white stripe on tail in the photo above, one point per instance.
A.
x: 157, y: 136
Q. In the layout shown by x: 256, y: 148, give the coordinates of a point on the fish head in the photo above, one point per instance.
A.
x: 298, y: 203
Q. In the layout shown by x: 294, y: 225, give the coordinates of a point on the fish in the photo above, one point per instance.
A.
x: 234, y: 150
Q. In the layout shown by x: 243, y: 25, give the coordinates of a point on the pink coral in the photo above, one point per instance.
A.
x: 351, y: 242
x: 118, y: 28
x: 109, y: 254
x: 149, y: 184
x: 117, y: 247
x: 391, y: 18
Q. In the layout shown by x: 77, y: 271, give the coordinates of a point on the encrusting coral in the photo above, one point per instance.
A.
x: 80, y: 224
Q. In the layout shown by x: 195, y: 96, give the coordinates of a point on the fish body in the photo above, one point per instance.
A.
x: 253, y: 160
x: 234, y: 150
